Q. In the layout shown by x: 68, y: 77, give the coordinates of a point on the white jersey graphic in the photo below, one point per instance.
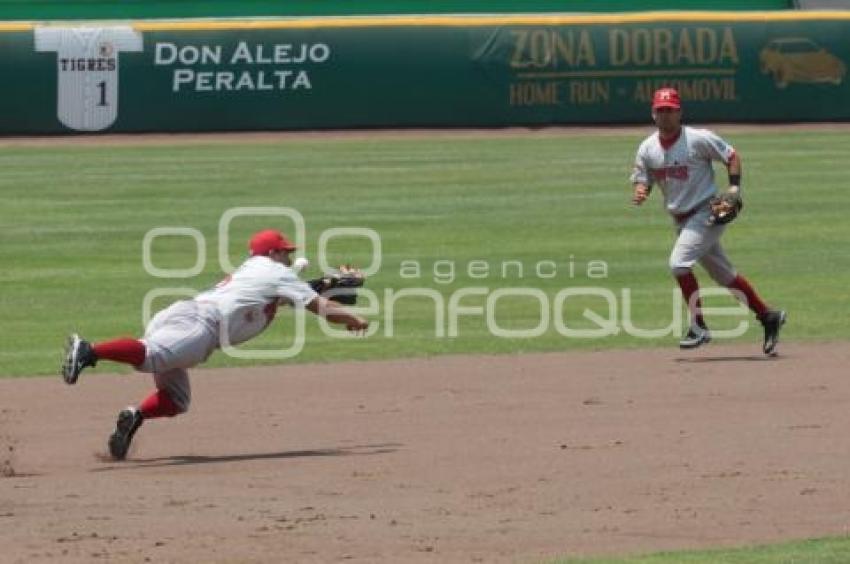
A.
x: 247, y: 300
x: 683, y: 170
x: 87, y: 66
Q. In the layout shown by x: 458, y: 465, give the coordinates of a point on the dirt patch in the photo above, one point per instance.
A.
x: 7, y: 445
x: 452, y: 459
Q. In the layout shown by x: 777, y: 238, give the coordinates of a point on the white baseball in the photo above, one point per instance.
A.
x: 300, y: 263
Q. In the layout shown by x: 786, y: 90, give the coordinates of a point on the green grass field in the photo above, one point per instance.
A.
x: 74, y: 218
x: 820, y: 551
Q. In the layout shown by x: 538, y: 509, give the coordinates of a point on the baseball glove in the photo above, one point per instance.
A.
x: 725, y: 208
x: 340, y: 285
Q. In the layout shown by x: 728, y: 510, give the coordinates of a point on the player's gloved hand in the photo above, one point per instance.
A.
x: 725, y: 208
x: 340, y: 285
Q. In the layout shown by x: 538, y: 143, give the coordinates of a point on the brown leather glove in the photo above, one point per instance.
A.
x: 340, y: 285
x: 725, y: 208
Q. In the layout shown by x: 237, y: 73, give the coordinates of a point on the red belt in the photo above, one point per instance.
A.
x: 680, y: 217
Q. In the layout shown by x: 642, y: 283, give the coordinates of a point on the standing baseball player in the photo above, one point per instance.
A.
x: 679, y: 160
x: 185, y: 334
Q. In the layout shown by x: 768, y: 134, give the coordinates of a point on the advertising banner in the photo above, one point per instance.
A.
x: 422, y: 71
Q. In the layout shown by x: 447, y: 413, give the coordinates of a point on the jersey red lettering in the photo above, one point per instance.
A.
x: 678, y: 172
x: 674, y: 172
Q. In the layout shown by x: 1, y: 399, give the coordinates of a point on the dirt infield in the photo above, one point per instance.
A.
x: 452, y: 459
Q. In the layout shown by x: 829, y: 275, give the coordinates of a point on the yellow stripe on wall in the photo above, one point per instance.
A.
x: 450, y: 20
x: 16, y: 26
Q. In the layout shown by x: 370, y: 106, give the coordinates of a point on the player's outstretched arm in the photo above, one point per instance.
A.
x: 337, y: 313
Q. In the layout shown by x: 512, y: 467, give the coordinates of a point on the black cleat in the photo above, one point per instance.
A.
x: 78, y: 355
x: 695, y: 337
x: 129, y: 421
x: 772, y: 321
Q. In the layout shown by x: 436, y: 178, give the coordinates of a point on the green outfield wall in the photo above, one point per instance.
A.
x: 435, y: 71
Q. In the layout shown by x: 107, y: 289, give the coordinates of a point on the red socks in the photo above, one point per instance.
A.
x: 753, y: 301
x: 159, y: 404
x: 132, y: 351
x: 128, y: 351
x: 689, y: 285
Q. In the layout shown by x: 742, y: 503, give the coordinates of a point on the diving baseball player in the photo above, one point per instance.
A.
x: 185, y: 334
x: 679, y: 159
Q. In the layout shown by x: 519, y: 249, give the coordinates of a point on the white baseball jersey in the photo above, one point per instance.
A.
x: 87, y: 66
x: 683, y: 170
x: 247, y: 300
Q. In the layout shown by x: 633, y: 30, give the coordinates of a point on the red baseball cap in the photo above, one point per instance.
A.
x: 263, y: 242
x: 666, y: 98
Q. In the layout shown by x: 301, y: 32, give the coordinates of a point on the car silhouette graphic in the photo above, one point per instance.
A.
x: 799, y: 59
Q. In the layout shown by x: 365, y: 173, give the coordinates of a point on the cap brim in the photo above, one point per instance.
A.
x: 666, y: 105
